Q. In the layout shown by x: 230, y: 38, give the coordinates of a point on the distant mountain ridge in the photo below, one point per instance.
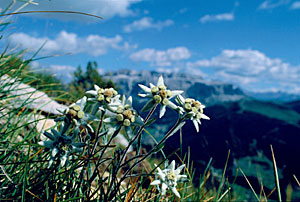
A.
x: 207, y: 92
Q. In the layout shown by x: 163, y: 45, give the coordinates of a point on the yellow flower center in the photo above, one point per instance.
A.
x: 171, y: 176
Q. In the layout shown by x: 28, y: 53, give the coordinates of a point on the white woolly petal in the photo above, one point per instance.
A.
x: 196, y: 125
x: 160, y: 81
x: 129, y: 101
x: 176, y: 92
x: 96, y: 88
x: 172, y: 105
x: 41, y: 143
x: 155, y: 182
x: 161, y: 175
x: 174, y: 190
x: 63, y: 160
x: 172, y: 166
x: 178, y: 170
x: 198, y: 120
x: 145, y: 88
x: 181, y: 176
x: 91, y: 92
x: 163, y: 188
x: 180, y: 99
x: 203, y: 116
x: 142, y: 95
x: 54, y: 152
x: 50, y: 163
x: 162, y: 110
x: 83, y: 102
x: 151, y: 85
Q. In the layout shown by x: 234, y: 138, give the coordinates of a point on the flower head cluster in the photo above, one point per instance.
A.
x: 160, y: 95
x: 168, y: 178
x: 104, y: 96
x: 78, y: 116
x: 124, y: 115
x: 193, y: 109
x: 61, y: 146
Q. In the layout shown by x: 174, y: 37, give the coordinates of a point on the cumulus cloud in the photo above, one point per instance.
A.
x: 161, y: 57
x: 69, y: 43
x: 147, y: 23
x: 251, y: 68
x: 270, y: 4
x: 103, y: 8
x: 295, y: 5
x: 217, y: 17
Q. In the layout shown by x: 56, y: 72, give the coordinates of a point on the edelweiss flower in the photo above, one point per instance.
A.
x: 125, y: 116
x: 105, y: 96
x: 160, y: 95
x: 61, y: 146
x: 76, y: 113
x: 193, y: 110
x: 168, y: 178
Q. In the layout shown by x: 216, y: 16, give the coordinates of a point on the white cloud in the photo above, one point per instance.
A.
x: 250, y: 68
x: 295, y: 5
x: 103, y: 8
x: 69, y: 43
x: 147, y: 23
x: 63, y: 72
x: 218, y: 17
x: 161, y: 57
x: 270, y: 4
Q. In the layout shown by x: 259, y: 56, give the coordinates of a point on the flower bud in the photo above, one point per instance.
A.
x: 188, y: 100
x: 188, y: 106
x: 197, y: 104
x: 80, y: 114
x: 126, y: 122
x: 107, y: 99
x: 76, y: 108
x: 127, y: 106
x: 154, y: 90
x: 120, y: 110
x: 115, y: 92
x: 120, y: 117
x: 165, y: 101
x: 100, y: 97
x: 163, y: 93
x: 169, y: 93
x: 72, y: 112
x: 108, y: 93
x: 157, y: 98
x: 127, y: 113
x: 100, y: 91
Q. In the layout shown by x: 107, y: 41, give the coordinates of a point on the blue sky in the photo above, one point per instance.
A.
x: 253, y: 44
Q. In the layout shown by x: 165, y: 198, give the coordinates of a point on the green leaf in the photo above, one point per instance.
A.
x: 176, y: 129
x: 160, y: 147
x: 150, y: 121
x: 148, y: 106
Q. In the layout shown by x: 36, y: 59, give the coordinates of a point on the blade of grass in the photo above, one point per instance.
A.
x: 296, y: 180
x: 276, y: 175
x: 250, y: 185
x: 222, y: 180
